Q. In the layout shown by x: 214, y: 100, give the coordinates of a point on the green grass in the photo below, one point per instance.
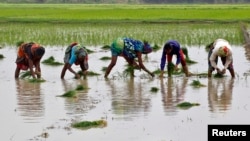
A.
x: 122, y: 12
x: 99, y: 25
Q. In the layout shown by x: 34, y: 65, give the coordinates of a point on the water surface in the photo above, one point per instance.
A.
x: 31, y: 111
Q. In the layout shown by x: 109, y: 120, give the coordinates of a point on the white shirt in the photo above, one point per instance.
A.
x: 217, y: 44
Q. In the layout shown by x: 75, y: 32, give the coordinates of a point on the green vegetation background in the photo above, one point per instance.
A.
x: 99, y: 24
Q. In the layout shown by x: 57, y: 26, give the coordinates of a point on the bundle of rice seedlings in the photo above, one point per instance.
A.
x: 34, y: 80
x: 70, y: 93
x: 106, y: 47
x: 186, y: 105
x: 218, y: 75
x: 79, y: 87
x: 51, y: 61
x: 89, y: 124
x: 105, y: 58
x: 1, y: 56
x: 197, y: 83
x: 170, y: 68
x: 154, y: 89
x: 90, y: 73
x: 25, y: 74
x: 156, y: 47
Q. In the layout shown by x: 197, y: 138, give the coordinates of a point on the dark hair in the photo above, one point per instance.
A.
x: 146, y: 48
x: 168, y: 46
x: 209, y: 46
x: 40, y: 51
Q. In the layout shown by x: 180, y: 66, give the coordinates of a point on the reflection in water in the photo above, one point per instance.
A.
x: 30, y: 100
x: 81, y: 103
x: 247, y: 51
x: 220, y: 94
x: 173, y: 93
x: 129, y: 100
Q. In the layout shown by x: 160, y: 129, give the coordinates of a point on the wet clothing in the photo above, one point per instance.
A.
x: 128, y: 47
x: 73, y: 53
x: 176, y: 50
x: 27, y: 51
x: 215, y: 52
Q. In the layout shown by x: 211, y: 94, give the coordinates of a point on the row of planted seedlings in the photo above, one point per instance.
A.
x: 104, y: 33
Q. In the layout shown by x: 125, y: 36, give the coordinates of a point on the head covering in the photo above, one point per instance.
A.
x: 73, y: 44
x: 146, y: 48
x: 118, y: 45
x: 223, y: 51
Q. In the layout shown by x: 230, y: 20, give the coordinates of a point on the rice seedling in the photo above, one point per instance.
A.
x: 104, y: 69
x: 51, y: 61
x: 25, y: 74
x: 70, y: 93
x: 218, y: 75
x: 35, y: 80
x: 90, y: 124
x: 105, y: 58
x: 89, y: 73
x: 158, y: 71
x: 154, y: 89
x: 197, y: 83
x: 1, y: 56
x: 156, y: 47
x: 89, y: 51
x: 80, y: 87
x: 187, y: 105
x: 106, y: 47
x: 170, y: 68
x: 62, y: 34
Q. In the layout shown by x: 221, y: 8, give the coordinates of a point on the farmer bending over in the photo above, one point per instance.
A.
x: 171, y: 48
x: 220, y: 48
x: 29, y: 56
x: 75, y: 54
x: 129, y: 49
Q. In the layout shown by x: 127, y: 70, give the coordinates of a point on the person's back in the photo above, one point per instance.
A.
x: 78, y: 55
x: 28, y: 56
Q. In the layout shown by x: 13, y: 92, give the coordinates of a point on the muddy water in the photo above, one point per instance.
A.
x: 32, y: 111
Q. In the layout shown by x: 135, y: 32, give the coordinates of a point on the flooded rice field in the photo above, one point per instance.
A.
x: 33, y: 111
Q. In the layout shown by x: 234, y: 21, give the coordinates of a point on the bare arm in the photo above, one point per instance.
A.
x: 139, y: 55
x: 66, y: 67
x: 31, y: 68
x: 38, y: 69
